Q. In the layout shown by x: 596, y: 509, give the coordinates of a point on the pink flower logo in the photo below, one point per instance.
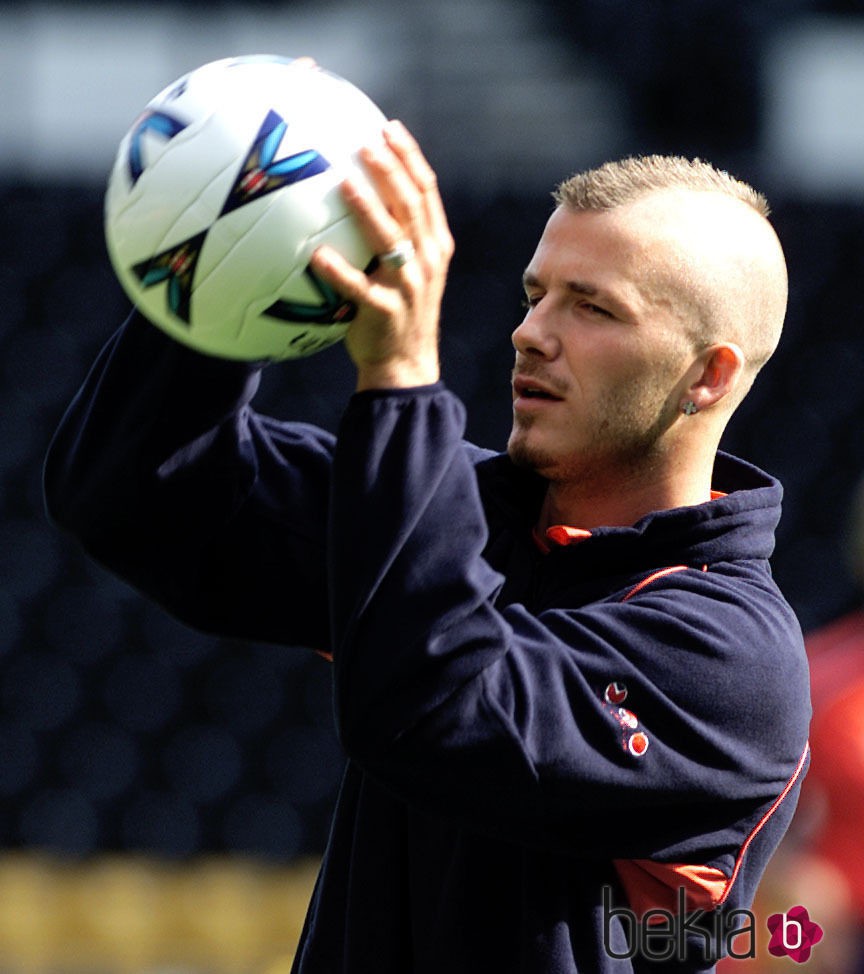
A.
x: 793, y: 934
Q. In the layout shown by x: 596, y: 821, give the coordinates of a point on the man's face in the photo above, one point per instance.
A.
x: 600, y: 354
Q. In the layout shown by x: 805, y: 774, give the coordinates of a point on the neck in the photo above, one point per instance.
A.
x: 622, y: 500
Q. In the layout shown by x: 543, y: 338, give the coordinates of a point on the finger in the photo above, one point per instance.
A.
x: 350, y: 283
x: 395, y: 187
x: 408, y: 151
x: 381, y: 231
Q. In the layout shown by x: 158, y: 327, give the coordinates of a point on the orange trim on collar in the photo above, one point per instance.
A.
x: 563, y: 534
x: 560, y: 535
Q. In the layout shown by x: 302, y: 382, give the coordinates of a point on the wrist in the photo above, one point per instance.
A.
x: 401, y: 374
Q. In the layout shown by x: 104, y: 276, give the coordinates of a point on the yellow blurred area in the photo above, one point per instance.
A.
x: 125, y: 914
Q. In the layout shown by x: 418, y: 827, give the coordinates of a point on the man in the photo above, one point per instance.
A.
x: 573, y: 701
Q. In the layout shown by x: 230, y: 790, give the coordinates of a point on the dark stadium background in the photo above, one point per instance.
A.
x: 123, y: 733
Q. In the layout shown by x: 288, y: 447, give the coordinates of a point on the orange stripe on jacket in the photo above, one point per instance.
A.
x: 651, y: 885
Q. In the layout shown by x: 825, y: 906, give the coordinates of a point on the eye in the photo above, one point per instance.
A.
x: 595, y: 309
x: 530, y: 301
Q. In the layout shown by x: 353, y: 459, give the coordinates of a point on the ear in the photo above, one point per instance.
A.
x: 718, y: 372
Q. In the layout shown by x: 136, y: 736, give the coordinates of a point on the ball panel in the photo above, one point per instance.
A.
x: 162, y: 210
x: 303, y: 305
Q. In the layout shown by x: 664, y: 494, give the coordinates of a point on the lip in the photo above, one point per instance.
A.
x: 530, y: 393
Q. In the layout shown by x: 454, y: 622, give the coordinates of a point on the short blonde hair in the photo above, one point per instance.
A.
x: 616, y: 183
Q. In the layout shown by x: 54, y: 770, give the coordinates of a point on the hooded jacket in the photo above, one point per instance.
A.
x: 566, y: 754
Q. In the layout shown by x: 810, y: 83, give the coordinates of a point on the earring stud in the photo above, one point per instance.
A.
x: 689, y: 407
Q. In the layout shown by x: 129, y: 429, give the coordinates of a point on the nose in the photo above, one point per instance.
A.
x: 534, y: 336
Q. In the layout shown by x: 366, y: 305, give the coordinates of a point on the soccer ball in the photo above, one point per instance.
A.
x: 220, y: 192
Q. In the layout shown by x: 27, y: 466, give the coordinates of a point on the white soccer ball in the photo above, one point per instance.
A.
x: 220, y: 192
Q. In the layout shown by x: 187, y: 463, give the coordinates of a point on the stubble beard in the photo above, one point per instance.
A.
x: 624, y: 445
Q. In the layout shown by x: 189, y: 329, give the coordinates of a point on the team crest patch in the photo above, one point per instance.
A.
x: 633, y: 739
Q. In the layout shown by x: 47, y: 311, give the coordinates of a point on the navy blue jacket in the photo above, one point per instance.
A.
x: 546, y: 737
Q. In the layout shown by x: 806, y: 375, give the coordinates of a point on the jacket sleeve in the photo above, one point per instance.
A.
x: 168, y: 477
x: 497, y: 718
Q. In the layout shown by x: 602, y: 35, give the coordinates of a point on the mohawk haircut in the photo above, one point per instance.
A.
x: 616, y: 183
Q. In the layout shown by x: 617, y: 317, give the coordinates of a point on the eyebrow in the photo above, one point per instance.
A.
x: 585, y: 289
x: 578, y: 287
